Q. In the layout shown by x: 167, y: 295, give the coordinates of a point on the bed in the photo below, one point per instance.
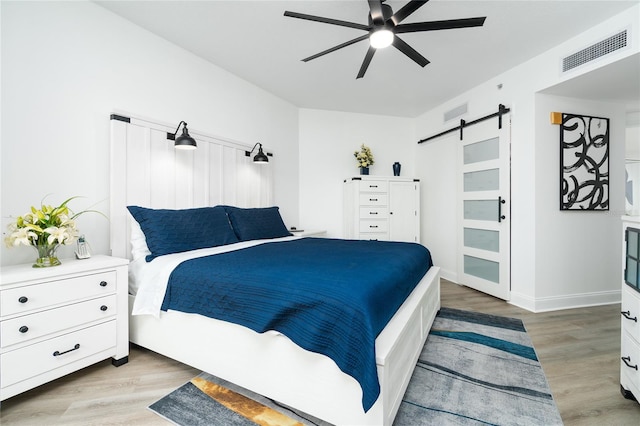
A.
x: 266, y: 362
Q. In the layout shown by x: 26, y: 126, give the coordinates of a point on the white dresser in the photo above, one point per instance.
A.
x: 54, y: 321
x: 630, y: 343
x: 382, y: 208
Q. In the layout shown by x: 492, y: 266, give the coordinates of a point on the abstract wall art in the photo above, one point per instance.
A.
x: 584, y: 162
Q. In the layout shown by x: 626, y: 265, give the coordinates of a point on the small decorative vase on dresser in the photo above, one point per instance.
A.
x: 55, y: 321
x: 630, y: 311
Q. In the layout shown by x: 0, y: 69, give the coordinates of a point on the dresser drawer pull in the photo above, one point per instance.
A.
x: 627, y: 360
x: 23, y: 329
x: 103, y: 308
x: 373, y: 186
x: 103, y: 283
x: 373, y: 212
x: 627, y: 315
x: 373, y: 226
x: 23, y: 299
x: 373, y: 199
x: 58, y: 353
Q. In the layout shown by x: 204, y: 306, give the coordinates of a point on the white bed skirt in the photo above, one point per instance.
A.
x: 273, y: 366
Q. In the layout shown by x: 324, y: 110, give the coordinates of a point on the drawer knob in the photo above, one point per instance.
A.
x: 58, y: 353
x: 23, y: 299
x: 103, y: 283
x: 103, y: 308
x: 23, y: 329
x: 627, y: 315
x: 627, y: 361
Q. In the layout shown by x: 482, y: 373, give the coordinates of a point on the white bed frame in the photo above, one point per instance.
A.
x: 269, y: 363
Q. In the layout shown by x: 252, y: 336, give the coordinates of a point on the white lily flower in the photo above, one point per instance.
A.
x: 22, y: 236
x: 60, y: 234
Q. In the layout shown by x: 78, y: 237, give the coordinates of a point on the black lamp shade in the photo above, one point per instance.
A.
x: 260, y: 157
x: 184, y: 141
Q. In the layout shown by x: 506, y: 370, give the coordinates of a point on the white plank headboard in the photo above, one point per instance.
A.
x: 146, y: 170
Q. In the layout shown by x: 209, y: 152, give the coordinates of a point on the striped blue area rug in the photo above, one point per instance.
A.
x: 475, y: 369
x: 478, y: 369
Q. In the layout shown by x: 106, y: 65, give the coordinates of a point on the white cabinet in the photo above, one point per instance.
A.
x: 630, y: 310
x: 54, y: 321
x: 382, y: 208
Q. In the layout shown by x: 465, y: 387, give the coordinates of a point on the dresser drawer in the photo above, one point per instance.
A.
x: 374, y: 225
x: 374, y: 200
x: 42, y: 357
x: 630, y: 360
x: 374, y: 213
x: 31, y: 326
x: 373, y: 236
x: 38, y: 296
x: 374, y: 186
x: 630, y: 309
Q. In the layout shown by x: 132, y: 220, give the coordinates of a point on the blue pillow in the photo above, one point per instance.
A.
x: 175, y: 231
x: 257, y: 223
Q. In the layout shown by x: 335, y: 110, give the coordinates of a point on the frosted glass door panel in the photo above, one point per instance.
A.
x: 481, y: 210
x: 482, y: 239
x: 484, y: 180
x: 482, y: 151
x: 482, y: 268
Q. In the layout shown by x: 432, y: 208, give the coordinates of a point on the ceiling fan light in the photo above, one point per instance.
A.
x: 381, y: 38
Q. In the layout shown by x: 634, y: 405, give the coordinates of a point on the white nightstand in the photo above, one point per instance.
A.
x: 54, y: 321
x: 308, y: 232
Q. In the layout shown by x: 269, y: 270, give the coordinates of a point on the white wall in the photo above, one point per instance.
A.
x: 576, y: 251
x: 532, y: 241
x: 67, y: 65
x: 328, y: 140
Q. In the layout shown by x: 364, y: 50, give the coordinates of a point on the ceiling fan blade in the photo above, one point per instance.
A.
x: 407, y: 10
x: 333, y: 49
x: 440, y: 25
x: 409, y: 51
x: 375, y: 7
x: 327, y: 20
x: 366, y: 62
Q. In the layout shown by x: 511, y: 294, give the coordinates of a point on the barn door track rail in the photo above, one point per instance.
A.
x: 501, y: 111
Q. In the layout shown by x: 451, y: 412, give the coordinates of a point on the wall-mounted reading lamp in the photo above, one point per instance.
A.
x: 184, y: 141
x: 261, y: 157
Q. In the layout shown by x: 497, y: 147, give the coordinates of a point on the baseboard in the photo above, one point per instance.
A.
x: 570, y: 301
x: 449, y: 275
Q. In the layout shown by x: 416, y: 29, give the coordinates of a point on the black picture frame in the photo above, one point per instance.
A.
x: 584, y: 163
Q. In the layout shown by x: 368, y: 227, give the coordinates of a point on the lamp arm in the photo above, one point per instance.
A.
x: 254, y: 148
x: 179, y: 124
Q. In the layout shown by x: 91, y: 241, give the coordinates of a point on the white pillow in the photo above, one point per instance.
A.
x: 138, y: 241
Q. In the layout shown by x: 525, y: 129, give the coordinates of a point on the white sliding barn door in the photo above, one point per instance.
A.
x: 146, y: 170
x: 484, y: 193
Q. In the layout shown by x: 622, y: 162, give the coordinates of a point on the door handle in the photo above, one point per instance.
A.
x: 501, y: 217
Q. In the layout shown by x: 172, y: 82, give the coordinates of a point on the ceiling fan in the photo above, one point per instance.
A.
x: 383, y: 29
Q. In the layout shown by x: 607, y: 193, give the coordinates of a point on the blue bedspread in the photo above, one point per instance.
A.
x: 328, y: 296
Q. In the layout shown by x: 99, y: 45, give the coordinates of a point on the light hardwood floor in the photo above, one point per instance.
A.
x: 579, y: 350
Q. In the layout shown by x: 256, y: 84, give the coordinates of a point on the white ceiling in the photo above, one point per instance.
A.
x: 253, y: 40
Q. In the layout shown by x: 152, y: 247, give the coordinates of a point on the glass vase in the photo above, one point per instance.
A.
x: 46, y: 255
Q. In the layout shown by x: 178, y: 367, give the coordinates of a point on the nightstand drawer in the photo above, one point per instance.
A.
x: 374, y: 213
x: 28, y: 327
x: 374, y: 200
x: 45, y: 356
x: 374, y: 225
x: 31, y: 297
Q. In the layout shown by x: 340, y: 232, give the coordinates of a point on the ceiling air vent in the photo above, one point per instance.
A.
x: 595, y: 51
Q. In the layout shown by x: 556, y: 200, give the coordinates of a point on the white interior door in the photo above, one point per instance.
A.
x: 484, y: 193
